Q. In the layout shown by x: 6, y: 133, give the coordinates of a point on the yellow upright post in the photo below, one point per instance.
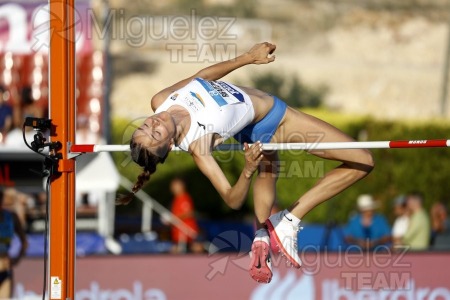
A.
x: 62, y: 109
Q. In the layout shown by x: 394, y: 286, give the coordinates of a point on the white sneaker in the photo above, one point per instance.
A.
x: 283, y: 228
x: 261, y: 265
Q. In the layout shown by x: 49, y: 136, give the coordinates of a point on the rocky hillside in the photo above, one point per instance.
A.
x: 376, y: 57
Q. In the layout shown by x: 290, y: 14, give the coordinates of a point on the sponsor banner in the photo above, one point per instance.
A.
x: 337, y: 276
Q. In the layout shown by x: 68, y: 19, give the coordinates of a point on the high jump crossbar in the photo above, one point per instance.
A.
x: 289, y: 146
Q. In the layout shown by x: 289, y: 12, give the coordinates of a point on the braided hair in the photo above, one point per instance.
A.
x: 148, y: 161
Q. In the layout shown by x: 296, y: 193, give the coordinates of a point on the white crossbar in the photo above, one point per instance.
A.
x: 288, y: 146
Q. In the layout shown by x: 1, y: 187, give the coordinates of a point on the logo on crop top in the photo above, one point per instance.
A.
x: 174, y: 96
x: 198, y: 97
x: 224, y: 90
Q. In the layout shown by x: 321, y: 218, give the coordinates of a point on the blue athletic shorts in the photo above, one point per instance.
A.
x: 264, y: 129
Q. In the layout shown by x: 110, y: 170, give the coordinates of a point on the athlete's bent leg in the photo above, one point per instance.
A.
x: 356, y: 164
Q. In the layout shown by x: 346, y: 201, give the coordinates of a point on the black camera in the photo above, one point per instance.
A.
x: 38, y: 123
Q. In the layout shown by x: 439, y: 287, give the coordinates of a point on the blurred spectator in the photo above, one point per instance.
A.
x: 417, y: 237
x: 367, y: 229
x: 9, y: 224
x: 17, y: 202
x: 440, y: 223
x: 401, y: 222
x: 183, y: 208
x: 6, y: 116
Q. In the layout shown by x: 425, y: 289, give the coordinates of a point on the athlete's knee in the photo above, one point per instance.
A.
x: 268, y: 168
x: 369, y: 159
x: 366, y: 162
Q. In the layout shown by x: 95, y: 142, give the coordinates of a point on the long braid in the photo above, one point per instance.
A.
x: 142, y: 178
x: 145, y: 159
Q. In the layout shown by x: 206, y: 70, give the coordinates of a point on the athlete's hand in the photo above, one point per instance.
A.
x: 262, y: 53
x: 253, y: 156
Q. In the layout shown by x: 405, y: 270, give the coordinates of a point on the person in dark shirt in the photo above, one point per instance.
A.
x: 6, y: 116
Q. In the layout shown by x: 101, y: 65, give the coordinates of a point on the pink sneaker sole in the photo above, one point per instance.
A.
x: 259, y: 270
x: 277, y: 245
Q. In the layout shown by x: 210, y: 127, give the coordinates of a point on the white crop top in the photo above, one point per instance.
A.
x: 214, y: 107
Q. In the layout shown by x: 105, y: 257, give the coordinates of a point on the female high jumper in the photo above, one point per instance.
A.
x: 200, y: 112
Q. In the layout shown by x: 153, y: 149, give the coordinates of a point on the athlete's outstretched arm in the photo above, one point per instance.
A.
x: 234, y: 196
x: 258, y: 54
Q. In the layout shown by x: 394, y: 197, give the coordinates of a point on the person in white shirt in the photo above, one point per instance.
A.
x: 401, y: 221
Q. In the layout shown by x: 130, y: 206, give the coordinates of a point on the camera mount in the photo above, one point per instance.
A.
x: 39, y: 143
